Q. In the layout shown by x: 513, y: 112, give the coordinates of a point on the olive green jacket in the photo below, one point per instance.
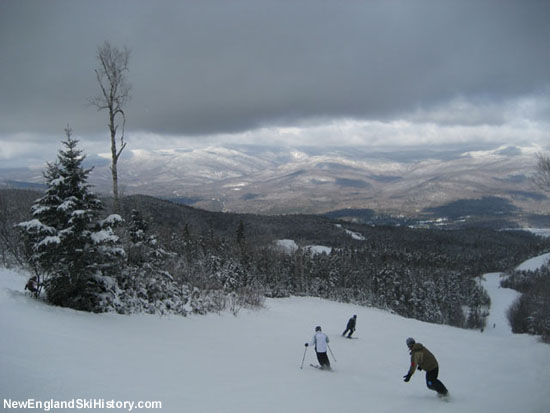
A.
x: 422, y: 358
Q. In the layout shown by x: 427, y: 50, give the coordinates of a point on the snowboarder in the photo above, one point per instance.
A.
x: 32, y: 284
x: 351, y: 326
x: 320, y: 340
x: 423, y: 359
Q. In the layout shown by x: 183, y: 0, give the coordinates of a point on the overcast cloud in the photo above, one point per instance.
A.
x: 275, y: 72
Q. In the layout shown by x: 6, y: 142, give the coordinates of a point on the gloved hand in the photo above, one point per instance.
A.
x: 307, y: 344
x: 407, y: 378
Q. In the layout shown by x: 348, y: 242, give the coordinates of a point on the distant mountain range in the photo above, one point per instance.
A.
x: 269, y: 180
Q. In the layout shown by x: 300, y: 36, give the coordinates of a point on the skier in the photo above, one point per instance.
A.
x: 320, y: 340
x: 351, y: 326
x: 422, y: 358
x: 32, y: 284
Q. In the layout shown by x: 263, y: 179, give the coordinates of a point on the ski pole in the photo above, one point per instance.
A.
x: 303, y: 358
x: 331, y: 352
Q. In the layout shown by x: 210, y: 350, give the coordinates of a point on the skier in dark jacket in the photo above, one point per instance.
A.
x: 423, y: 359
x: 32, y: 284
x: 351, y: 326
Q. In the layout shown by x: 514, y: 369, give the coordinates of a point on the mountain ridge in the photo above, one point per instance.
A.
x: 268, y: 180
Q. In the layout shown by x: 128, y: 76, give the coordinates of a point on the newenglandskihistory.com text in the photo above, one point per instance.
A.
x: 80, y: 404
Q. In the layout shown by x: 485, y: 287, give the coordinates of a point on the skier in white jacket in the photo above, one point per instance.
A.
x: 320, y: 341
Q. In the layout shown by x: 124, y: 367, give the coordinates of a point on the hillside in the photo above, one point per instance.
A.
x: 168, y: 217
x: 304, y: 180
x: 251, y: 363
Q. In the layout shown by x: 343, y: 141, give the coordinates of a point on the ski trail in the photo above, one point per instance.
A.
x: 534, y: 263
x: 501, y: 300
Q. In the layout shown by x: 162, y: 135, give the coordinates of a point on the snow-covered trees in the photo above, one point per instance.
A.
x: 172, y: 265
x: 14, y: 207
x: 76, y: 253
x: 414, y: 275
x: 530, y: 313
x: 146, y: 282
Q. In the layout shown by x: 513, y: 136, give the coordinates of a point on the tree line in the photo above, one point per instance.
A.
x: 530, y: 313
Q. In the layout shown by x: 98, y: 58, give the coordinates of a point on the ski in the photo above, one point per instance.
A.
x: 321, y: 368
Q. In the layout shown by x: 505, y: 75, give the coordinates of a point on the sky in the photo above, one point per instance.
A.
x: 364, y: 74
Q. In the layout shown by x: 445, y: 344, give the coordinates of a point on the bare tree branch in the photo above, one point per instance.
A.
x: 114, y: 94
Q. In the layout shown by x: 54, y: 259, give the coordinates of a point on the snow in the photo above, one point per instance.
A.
x: 251, y: 363
x: 34, y: 225
x: 38, y: 210
x: 501, y: 298
x: 104, y: 236
x: 534, y: 263
x: 67, y: 205
x: 287, y: 245
x: 112, y: 219
x: 542, y: 232
x: 48, y: 240
x: 57, y: 181
x: 354, y: 235
x: 318, y: 249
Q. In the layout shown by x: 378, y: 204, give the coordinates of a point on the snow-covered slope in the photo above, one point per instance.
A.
x: 251, y: 363
x: 534, y: 263
x: 501, y: 298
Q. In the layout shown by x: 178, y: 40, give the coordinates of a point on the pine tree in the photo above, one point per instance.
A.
x: 76, y: 252
x: 147, y: 282
x: 240, y: 234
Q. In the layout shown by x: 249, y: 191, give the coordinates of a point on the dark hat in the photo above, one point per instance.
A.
x: 318, y: 328
x: 410, y: 342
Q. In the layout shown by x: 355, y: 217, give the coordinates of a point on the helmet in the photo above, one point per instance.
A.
x: 410, y: 342
x: 318, y: 328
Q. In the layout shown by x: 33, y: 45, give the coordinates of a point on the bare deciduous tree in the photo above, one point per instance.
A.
x: 114, y: 93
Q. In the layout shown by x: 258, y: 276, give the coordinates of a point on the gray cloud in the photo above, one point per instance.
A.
x: 219, y: 67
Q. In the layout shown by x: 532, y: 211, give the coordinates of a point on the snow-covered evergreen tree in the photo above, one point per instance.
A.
x: 77, y: 253
x: 147, y: 282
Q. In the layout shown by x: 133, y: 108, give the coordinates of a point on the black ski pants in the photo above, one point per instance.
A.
x: 322, y: 358
x: 351, y: 330
x: 433, y: 383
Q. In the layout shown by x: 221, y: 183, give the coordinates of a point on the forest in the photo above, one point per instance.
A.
x: 530, y: 314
